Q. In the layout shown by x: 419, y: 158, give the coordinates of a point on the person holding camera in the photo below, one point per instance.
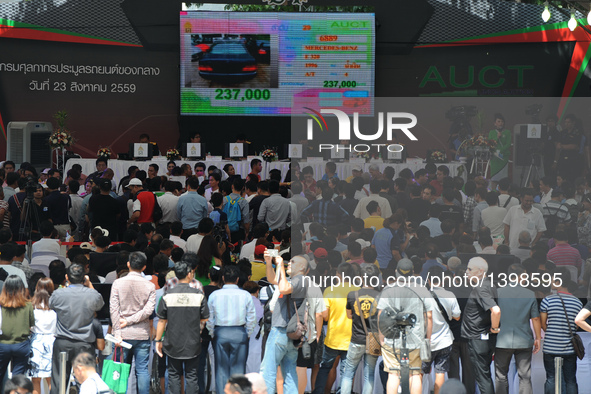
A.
x: 75, y: 306
x: 279, y: 349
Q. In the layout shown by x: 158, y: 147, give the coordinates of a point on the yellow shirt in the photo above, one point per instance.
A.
x: 374, y: 221
x: 338, y: 333
x: 259, y: 271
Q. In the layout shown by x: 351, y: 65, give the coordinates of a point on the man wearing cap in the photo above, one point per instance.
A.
x: 320, y: 255
x: 59, y: 207
x: 398, y: 298
x: 103, y: 210
x: 357, y: 172
x: 259, y: 269
x: 143, y: 206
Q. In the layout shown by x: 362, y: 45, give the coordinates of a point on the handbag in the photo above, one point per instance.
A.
x: 574, y: 338
x: 296, y: 328
x: 116, y: 374
x: 372, y: 344
x: 425, y: 350
x: 154, y: 380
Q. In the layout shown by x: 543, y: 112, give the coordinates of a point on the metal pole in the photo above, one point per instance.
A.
x: 558, y: 375
x: 63, y: 384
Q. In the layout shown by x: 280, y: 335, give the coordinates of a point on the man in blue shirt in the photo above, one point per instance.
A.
x: 431, y: 261
x: 191, y: 208
x: 232, y: 321
x: 433, y: 223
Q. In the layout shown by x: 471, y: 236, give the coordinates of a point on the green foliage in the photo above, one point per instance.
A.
x: 61, y: 118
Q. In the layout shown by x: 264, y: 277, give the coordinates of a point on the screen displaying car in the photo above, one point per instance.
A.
x: 227, y: 60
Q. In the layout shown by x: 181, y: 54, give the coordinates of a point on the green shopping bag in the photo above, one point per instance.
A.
x: 116, y: 374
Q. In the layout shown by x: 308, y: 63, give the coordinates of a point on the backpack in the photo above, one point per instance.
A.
x: 157, y: 212
x: 232, y: 209
x: 267, y: 312
x: 215, y: 216
x: 551, y: 222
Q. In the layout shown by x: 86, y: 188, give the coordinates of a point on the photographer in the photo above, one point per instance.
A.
x: 75, y: 306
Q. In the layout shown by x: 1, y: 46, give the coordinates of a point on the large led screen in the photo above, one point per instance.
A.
x: 263, y: 63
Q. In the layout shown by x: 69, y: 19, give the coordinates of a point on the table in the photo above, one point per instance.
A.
x: 344, y: 170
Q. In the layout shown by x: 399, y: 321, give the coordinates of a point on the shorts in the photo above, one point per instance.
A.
x: 441, y: 359
x: 307, y: 363
x: 392, y: 365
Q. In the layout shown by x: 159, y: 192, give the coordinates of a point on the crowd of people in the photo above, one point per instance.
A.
x: 284, y: 273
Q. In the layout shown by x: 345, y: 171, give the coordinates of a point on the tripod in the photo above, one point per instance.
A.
x: 25, y: 231
x: 404, y: 363
x: 533, y: 167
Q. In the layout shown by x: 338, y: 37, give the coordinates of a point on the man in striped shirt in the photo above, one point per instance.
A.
x: 563, y: 253
x: 557, y: 312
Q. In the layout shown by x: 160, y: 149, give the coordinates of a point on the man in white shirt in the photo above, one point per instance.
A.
x: 194, y: 241
x: 445, y: 307
x: 524, y: 217
x: 84, y: 371
x: 361, y: 209
x: 46, y: 244
x: 168, y: 203
x: 505, y: 199
x: 259, y: 230
x: 492, y: 217
x: 546, y: 190
x: 176, y: 230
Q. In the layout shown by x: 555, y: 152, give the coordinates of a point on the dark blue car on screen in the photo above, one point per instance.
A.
x: 228, y: 61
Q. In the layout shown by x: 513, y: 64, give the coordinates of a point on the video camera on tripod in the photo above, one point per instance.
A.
x: 460, y: 117
x: 29, y: 213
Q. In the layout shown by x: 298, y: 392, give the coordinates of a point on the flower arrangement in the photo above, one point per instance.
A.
x: 479, y: 142
x: 269, y: 155
x: 436, y: 156
x: 173, y: 154
x: 61, y: 137
x: 104, y: 153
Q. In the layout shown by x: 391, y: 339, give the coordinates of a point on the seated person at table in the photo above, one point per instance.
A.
x: 145, y: 139
x: 101, y: 166
x: 196, y: 138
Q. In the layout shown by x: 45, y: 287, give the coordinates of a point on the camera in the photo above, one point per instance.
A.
x: 463, y: 111
x: 220, y: 235
x: 533, y: 109
x: 31, y: 188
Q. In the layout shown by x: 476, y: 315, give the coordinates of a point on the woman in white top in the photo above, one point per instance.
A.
x: 43, y: 335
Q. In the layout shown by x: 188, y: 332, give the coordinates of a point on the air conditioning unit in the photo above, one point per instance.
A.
x: 28, y: 142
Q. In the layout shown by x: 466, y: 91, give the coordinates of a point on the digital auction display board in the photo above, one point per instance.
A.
x: 262, y: 63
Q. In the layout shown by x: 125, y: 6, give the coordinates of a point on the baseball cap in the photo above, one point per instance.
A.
x: 134, y: 182
x: 46, y: 171
x: 356, y: 167
x: 405, y: 267
x: 260, y: 250
x: 320, y: 253
x: 86, y: 246
x: 104, y: 182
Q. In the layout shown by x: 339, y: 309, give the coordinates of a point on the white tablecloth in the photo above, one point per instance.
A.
x: 243, y: 167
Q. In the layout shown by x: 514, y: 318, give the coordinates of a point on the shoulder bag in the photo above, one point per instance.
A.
x: 372, y: 344
x: 574, y: 338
